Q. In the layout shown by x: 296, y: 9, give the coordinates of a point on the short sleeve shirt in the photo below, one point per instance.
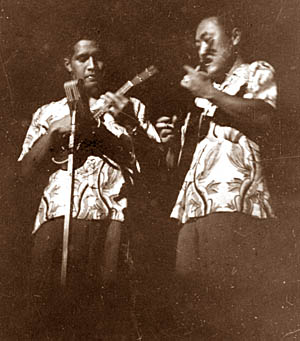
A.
x: 226, y: 174
x: 97, y: 183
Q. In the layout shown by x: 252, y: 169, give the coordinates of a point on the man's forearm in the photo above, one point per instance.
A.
x: 252, y: 112
x: 39, y: 153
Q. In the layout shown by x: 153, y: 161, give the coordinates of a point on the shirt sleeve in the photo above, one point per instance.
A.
x: 261, y: 84
x: 36, y: 129
x: 140, y: 112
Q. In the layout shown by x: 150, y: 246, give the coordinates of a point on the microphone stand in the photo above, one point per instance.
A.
x: 73, y: 97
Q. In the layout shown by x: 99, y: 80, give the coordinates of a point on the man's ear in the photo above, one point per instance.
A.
x: 68, y: 66
x: 236, y: 36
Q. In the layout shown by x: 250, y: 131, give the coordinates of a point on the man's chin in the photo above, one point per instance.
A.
x: 215, y: 74
x: 92, y: 89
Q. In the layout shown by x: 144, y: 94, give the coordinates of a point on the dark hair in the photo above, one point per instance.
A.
x: 229, y: 20
x: 69, y: 38
x: 230, y: 15
x: 70, y: 44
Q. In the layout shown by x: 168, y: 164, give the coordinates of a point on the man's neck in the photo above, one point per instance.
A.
x: 227, y: 72
x: 239, y: 61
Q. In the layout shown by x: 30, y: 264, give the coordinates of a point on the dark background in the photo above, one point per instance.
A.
x: 136, y: 34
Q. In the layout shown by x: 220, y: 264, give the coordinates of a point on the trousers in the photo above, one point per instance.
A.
x: 93, y: 268
x: 224, y: 274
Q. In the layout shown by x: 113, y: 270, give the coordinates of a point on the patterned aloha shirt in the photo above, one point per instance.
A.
x: 97, y: 183
x: 226, y: 174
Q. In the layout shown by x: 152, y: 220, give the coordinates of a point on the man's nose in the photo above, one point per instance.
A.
x: 91, y: 63
x: 203, y: 48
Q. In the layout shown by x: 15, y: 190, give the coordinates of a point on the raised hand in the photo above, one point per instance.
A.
x: 198, y: 82
x: 112, y: 103
x: 166, y: 128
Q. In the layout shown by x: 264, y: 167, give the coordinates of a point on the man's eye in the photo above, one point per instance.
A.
x: 82, y: 59
x: 208, y: 40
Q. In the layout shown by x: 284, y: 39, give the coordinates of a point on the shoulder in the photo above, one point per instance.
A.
x: 262, y: 83
x: 51, y: 110
x: 261, y: 65
x: 261, y: 72
x: 41, y: 120
x: 254, y: 69
x: 54, y: 105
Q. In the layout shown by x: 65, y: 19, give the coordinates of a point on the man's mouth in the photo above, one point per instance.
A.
x: 91, y: 78
x: 206, y: 61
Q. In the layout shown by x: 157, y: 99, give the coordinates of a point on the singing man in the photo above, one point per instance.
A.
x: 224, y: 202
x: 104, y: 175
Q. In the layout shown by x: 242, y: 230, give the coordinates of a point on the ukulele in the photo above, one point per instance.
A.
x: 73, y: 91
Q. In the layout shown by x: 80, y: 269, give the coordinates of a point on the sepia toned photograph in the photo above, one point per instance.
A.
x: 150, y: 159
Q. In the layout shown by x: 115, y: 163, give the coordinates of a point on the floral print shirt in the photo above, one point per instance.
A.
x: 226, y: 173
x: 97, y: 183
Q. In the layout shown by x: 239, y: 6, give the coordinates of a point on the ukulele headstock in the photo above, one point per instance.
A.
x: 147, y: 73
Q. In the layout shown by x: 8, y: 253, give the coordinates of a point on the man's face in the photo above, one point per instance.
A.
x: 215, y: 48
x: 87, y: 65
